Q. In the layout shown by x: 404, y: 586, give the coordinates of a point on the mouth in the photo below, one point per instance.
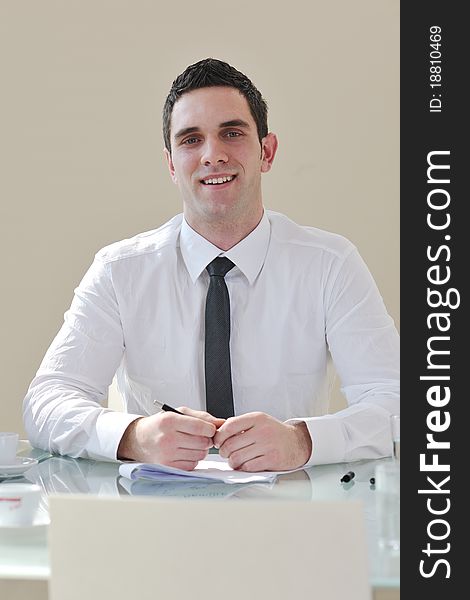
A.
x: 218, y: 182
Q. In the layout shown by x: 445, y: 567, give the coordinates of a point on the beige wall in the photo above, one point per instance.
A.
x: 82, y: 85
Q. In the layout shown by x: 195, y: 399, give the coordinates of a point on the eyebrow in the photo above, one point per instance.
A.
x: 232, y: 123
x: 185, y: 131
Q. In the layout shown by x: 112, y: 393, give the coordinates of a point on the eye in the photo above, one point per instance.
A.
x: 233, y: 134
x: 190, y: 141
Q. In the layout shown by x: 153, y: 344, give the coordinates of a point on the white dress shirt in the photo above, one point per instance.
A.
x: 295, y: 293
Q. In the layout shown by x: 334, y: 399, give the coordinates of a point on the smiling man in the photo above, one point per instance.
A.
x: 228, y: 311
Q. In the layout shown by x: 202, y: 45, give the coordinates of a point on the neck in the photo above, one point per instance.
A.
x: 225, y: 234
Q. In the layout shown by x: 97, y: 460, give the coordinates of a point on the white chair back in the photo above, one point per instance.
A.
x: 149, y: 548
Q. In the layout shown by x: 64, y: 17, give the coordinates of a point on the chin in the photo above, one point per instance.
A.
x: 220, y: 207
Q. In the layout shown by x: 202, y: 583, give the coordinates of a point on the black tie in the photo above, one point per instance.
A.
x: 219, y: 397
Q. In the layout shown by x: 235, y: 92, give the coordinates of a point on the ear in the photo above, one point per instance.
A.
x: 268, y: 151
x: 171, y: 166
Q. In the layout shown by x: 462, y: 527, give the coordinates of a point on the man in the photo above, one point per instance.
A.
x: 287, y: 295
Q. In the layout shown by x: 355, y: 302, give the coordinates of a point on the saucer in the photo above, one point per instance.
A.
x: 20, y: 465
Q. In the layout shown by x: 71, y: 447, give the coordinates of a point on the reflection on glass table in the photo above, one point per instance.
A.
x: 79, y: 476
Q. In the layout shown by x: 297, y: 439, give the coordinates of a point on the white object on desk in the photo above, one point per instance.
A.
x: 395, y: 428
x: 18, y: 466
x: 8, y: 445
x: 19, y: 503
x: 215, y: 468
x: 36, y: 530
x: 387, y: 496
x: 177, y: 549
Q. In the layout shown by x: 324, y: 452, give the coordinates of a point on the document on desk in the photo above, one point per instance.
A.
x: 214, y: 468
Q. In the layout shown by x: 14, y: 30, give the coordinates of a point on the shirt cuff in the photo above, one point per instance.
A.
x: 110, y: 427
x: 328, y: 443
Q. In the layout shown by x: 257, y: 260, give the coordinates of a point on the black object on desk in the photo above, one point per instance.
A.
x: 347, y: 477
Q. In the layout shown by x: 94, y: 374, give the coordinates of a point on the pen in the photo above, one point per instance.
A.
x: 167, y: 407
x: 347, y: 477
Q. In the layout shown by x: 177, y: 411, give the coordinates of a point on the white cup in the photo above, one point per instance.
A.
x: 19, y: 503
x: 8, y: 447
x: 387, y: 490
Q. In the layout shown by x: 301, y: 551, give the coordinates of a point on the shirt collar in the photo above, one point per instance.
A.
x: 248, y: 255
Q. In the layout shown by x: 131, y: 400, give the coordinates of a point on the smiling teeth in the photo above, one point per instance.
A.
x: 218, y: 180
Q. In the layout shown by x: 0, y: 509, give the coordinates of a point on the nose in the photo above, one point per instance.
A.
x: 213, y: 152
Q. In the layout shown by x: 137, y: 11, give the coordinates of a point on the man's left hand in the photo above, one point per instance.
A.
x: 258, y: 442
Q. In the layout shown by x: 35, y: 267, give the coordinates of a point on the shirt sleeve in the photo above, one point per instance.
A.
x: 63, y: 411
x: 364, y: 345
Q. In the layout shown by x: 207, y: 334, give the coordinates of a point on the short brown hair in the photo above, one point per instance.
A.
x: 208, y: 73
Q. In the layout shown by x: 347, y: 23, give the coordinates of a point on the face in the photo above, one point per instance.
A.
x: 216, y: 157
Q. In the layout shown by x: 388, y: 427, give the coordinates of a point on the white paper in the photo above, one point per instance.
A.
x: 214, y: 469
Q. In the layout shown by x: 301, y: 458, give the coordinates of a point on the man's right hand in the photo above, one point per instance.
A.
x: 171, y: 439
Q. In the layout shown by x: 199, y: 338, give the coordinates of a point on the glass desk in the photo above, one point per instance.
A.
x: 24, y: 553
